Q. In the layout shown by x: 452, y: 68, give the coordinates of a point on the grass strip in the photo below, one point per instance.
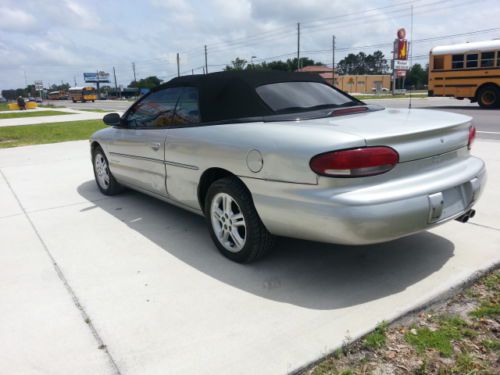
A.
x: 32, y: 114
x: 23, y: 135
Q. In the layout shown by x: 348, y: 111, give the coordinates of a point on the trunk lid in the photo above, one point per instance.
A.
x: 414, y: 134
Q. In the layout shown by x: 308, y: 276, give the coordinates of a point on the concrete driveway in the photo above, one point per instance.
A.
x: 130, y: 285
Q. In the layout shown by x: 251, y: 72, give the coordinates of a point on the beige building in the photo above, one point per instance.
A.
x: 363, y: 84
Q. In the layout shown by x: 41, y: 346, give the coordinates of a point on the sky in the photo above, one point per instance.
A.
x: 59, y: 40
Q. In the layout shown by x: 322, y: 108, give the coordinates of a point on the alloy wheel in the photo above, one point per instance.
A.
x: 228, y: 222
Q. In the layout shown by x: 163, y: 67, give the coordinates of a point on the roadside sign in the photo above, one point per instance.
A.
x: 400, y: 73
x: 96, y: 77
x: 38, y: 85
x: 401, y: 65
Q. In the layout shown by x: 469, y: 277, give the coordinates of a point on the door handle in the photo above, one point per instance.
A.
x: 155, y: 146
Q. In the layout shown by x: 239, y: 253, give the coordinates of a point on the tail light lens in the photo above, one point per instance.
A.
x: 472, y: 136
x: 359, y: 162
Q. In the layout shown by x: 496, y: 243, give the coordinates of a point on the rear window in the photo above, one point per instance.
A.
x: 289, y: 97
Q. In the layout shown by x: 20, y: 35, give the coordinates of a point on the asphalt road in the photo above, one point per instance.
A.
x: 486, y: 121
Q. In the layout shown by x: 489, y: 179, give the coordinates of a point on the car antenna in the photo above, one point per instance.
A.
x: 411, y: 50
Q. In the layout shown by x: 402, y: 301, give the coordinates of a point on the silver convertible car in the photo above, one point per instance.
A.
x: 266, y: 154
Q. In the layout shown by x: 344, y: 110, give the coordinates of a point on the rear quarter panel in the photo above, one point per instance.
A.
x: 286, y: 150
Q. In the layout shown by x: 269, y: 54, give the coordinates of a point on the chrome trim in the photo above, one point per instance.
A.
x: 180, y: 165
x: 172, y: 163
x: 136, y: 157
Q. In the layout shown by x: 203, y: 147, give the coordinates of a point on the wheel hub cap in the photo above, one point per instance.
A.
x: 102, y: 171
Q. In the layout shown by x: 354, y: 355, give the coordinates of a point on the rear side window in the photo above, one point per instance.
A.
x: 156, y: 110
x: 187, y: 111
x: 472, y: 60
x: 438, y: 62
x: 289, y: 97
x: 487, y: 59
x: 457, y: 62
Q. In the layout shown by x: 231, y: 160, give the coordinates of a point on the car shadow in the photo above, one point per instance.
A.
x: 303, y: 273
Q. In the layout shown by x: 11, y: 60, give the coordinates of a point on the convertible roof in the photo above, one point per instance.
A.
x: 231, y: 95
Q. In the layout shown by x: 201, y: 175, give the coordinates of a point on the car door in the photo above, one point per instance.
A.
x: 183, y: 172
x: 137, y: 151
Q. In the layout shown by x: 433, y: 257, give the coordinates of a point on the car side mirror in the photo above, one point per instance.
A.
x: 112, y: 119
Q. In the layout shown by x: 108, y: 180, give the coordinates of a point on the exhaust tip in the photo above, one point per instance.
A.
x: 466, y: 216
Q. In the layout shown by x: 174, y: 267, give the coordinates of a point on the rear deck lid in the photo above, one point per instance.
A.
x: 414, y: 134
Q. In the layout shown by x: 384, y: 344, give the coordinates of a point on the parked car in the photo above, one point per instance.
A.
x: 266, y: 154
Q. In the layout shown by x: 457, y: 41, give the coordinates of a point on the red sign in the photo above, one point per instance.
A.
x: 401, y: 45
x: 400, y: 73
x: 402, y: 49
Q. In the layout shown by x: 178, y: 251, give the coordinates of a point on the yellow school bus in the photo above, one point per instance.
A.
x: 82, y: 94
x: 57, y: 95
x: 468, y: 70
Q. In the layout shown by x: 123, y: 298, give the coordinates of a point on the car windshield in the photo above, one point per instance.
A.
x: 287, y: 97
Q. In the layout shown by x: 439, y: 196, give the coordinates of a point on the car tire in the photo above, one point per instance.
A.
x: 489, y: 96
x: 104, y: 179
x: 233, y: 221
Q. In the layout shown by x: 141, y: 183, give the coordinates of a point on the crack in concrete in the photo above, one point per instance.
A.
x: 484, y: 226
x: 60, y: 274
x: 55, y: 207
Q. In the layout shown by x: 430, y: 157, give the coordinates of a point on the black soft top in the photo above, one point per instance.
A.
x: 231, y: 95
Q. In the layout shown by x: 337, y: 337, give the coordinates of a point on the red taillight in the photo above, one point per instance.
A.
x: 359, y: 162
x: 472, y: 136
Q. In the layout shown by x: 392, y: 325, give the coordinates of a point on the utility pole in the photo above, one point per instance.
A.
x: 206, y: 60
x: 133, y: 69
x: 394, y: 56
x: 298, y: 45
x: 74, y: 79
x: 97, y: 84
x: 116, y: 85
x: 25, y: 79
x: 178, y: 67
x: 333, y: 60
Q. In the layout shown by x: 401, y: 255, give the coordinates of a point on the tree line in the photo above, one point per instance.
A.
x: 353, y: 64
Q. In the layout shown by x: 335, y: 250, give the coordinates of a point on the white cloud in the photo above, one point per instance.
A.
x: 56, y: 39
x: 12, y: 19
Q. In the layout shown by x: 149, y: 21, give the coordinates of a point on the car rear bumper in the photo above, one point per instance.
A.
x: 370, y: 213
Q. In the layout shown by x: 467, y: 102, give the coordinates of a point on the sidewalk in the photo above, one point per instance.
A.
x: 91, y: 284
x: 75, y: 116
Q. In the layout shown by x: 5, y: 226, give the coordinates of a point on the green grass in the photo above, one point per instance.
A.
x: 32, y: 114
x: 492, y: 282
x: 13, y: 136
x: 386, y: 96
x: 49, y: 106
x: 96, y: 110
x: 487, y: 310
x: 376, y: 339
x: 450, y: 328
x: 4, y: 107
x: 492, y: 345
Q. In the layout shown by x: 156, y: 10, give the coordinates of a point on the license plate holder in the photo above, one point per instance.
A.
x: 454, y: 202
